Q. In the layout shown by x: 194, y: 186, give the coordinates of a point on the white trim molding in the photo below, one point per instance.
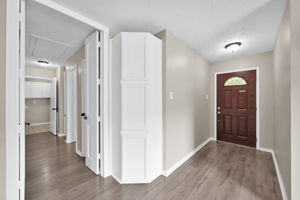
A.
x: 168, y: 172
x: 39, y: 124
x: 73, y: 14
x: 61, y: 134
x: 79, y: 153
x: 280, y: 180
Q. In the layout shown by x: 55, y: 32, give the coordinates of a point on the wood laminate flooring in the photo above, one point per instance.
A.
x: 37, y: 129
x: 219, y: 171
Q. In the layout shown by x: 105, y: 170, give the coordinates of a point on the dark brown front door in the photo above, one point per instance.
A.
x: 236, y: 107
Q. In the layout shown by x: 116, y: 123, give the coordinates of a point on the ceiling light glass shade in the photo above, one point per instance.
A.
x: 232, y: 47
x: 43, y: 63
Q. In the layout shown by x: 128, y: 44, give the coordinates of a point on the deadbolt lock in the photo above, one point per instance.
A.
x: 219, y: 108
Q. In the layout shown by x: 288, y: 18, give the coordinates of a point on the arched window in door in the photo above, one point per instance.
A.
x: 235, y: 81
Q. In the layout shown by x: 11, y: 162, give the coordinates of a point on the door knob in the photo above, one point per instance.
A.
x: 219, y: 112
x: 85, y: 117
x: 219, y: 108
x: 82, y: 114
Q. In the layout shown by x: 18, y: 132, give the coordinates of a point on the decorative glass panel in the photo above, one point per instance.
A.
x: 234, y: 81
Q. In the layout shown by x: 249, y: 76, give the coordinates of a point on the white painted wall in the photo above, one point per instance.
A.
x: 186, y: 116
x: 264, y: 62
x: 295, y: 98
x: 116, y: 95
x: 75, y: 60
x: 282, y: 100
x: 2, y: 97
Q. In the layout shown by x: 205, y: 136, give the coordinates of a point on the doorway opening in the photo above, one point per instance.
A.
x: 236, y: 107
x: 63, y: 94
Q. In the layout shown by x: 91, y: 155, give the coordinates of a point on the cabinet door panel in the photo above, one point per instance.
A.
x: 134, y: 58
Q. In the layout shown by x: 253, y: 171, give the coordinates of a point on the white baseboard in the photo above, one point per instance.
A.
x: 79, y: 153
x: 107, y: 174
x: 266, y: 150
x: 61, y: 134
x: 68, y: 141
x: 280, y: 180
x: 168, y: 172
x: 116, y: 178
x: 154, y: 177
x: 142, y: 181
x: 39, y: 124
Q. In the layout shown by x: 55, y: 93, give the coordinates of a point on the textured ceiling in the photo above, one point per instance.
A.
x: 51, y: 36
x: 205, y: 25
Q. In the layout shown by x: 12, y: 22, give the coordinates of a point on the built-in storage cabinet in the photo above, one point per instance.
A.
x: 37, y: 89
x: 136, y: 107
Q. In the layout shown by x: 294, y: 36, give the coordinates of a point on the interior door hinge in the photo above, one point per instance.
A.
x: 99, y: 44
x: 99, y: 156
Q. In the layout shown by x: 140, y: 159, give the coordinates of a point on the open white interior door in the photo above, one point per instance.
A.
x: 93, y: 89
x: 83, y: 108
x: 53, y: 107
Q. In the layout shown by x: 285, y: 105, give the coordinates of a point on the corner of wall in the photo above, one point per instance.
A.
x: 2, y: 96
x: 282, y: 98
x: 184, y: 78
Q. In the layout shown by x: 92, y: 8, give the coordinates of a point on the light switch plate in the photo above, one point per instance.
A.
x: 171, y: 95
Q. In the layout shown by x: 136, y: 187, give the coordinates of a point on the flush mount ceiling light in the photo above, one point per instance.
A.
x: 43, y: 63
x: 232, y: 47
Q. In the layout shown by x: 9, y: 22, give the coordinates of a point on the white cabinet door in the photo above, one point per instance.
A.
x: 34, y: 89
x: 92, y: 156
x: 136, y: 86
x: 47, y: 90
x: 37, y: 89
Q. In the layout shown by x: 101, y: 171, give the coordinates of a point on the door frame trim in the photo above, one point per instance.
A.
x: 257, y: 101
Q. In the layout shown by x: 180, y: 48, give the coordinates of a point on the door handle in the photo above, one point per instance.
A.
x: 85, y: 117
x: 82, y: 114
x: 219, y: 112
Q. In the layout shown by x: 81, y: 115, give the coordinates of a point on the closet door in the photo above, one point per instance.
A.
x: 134, y: 109
x: 92, y: 59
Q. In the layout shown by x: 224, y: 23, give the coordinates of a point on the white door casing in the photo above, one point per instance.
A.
x: 53, y: 107
x: 92, y: 147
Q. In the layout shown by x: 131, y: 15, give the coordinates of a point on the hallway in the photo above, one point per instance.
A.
x: 219, y: 171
